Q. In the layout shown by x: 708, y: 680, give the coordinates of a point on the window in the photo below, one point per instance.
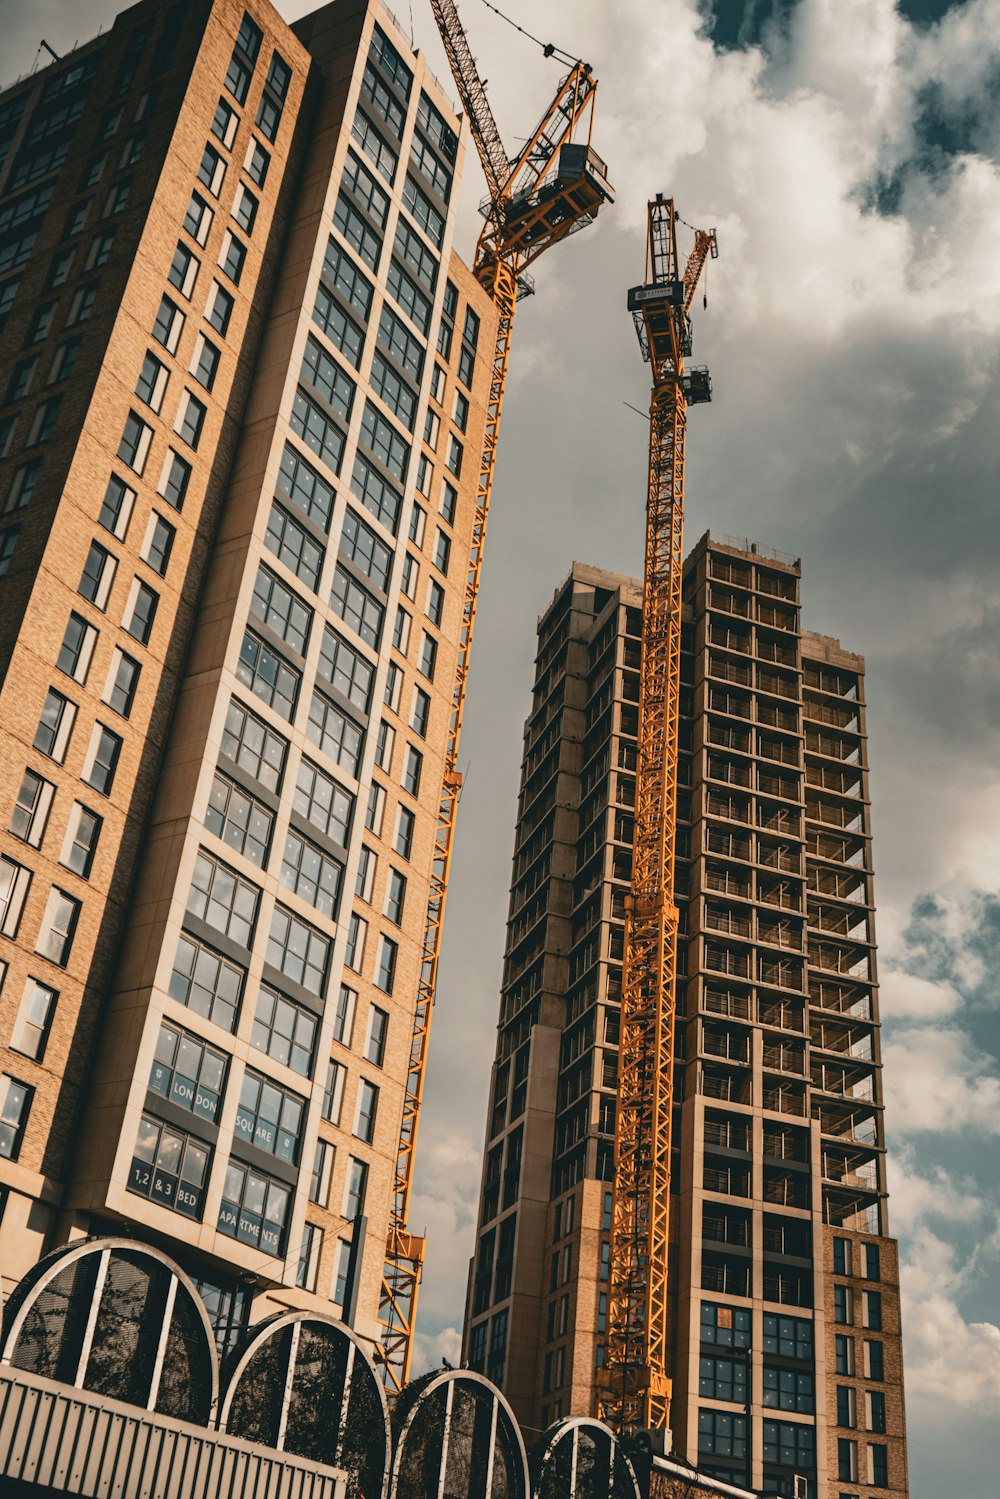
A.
x: 872, y: 1262
x: 787, y: 1390
x: 403, y: 840
x: 341, y: 1273
x: 219, y: 309
x: 455, y: 454
x: 55, y: 937
x: 22, y: 485
x: 225, y: 123
x: 872, y: 1309
x: 385, y: 442
x: 15, y: 1106
x: 298, y: 950
x: 64, y: 361
x: 169, y: 1167
x: 401, y: 630
x: 374, y: 145
x: 307, y: 1269
x: 367, y: 864
x: 116, y: 199
x: 354, y: 1189
x: 722, y: 1435
x: 322, y: 1169
x: 435, y: 601
x: 294, y: 546
x: 334, y: 733
x: 432, y: 427
x: 254, y: 1208
x: 725, y: 1326
x: 873, y: 1361
x: 188, y: 1071
x: 362, y: 546
x: 211, y: 172
x: 333, y: 1092
x: 269, y: 1117
x: 116, y: 507
x: 101, y: 760
x: 98, y: 575
x: 791, y: 1444
x: 43, y: 422
x: 206, y: 983
x: 323, y: 803
x: 41, y: 322
x: 14, y: 883
x: 281, y: 610
x: 395, y: 896
x: 409, y: 247
x: 384, y: 746
x: 304, y: 487
x: 100, y: 251
x: 418, y: 516
x: 878, y: 1464
x: 174, y: 479
x: 34, y: 1021
x: 395, y: 337
x: 721, y: 1378
x: 420, y: 712
x: 256, y: 163
x: 843, y: 1304
x: 140, y: 611
x: 844, y: 1354
x: 847, y: 1406
x: 362, y: 184
x: 317, y: 431
x: 268, y: 675
x: 204, y: 362
x: 365, y: 1110
x: 385, y: 967
x: 393, y: 686
x: 8, y: 545
x: 847, y: 1460
x: 133, y: 449
x: 255, y: 748
x: 239, y: 820
x: 285, y: 1030
x: 378, y: 1029
x: 442, y: 551
x: 190, y: 419
x: 55, y: 726
x: 357, y: 932
x: 338, y: 327
x: 123, y: 679
x: 184, y: 270
x: 224, y: 901
x: 356, y: 607
x: 157, y: 543
x: 841, y: 1256
x: 376, y: 494
x: 31, y: 809
x: 232, y: 257
x: 788, y: 1337
x: 397, y: 395
x: 375, y: 810
x: 310, y: 873
x: 411, y: 773
x: 198, y: 219
x: 342, y: 273
x: 425, y: 475
x: 77, y: 648
x: 343, y: 1019
x: 428, y: 656
x: 80, y: 843
x: 82, y: 305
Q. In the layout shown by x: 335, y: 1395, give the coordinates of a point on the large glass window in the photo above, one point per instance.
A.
x: 169, y: 1167
x: 792, y: 1444
x: 226, y: 902
x: 725, y: 1326
x: 334, y: 733
x: 342, y: 273
x: 326, y: 375
x: 722, y: 1379
x: 285, y: 1030
x: 310, y: 873
x: 346, y: 669
x: 188, y: 1071
x: 323, y: 803
x: 363, y: 547
x: 306, y: 488
x: 376, y: 494
x: 722, y: 1435
x: 299, y: 950
x: 317, y: 431
x: 356, y: 607
x: 254, y: 1209
x: 206, y: 982
x: 268, y: 675
x: 385, y: 442
x: 281, y: 610
x: 270, y: 1117
x: 790, y: 1337
x: 240, y: 821
x: 300, y: 553
x: 255, y: 748
x: 788, y: 1390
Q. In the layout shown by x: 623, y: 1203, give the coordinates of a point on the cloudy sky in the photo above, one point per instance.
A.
x: 849, y: 153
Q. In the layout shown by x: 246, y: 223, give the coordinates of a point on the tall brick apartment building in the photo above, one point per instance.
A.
x: 786, y: 1336
x: 239, y: 444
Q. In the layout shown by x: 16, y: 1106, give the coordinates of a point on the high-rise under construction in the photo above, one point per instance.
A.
x: 785, y: 1333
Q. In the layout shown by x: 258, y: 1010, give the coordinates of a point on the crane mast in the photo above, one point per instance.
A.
x: 634, y: 1391
x: 552, y: 187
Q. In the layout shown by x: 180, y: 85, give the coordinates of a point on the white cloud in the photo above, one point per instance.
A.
x: 431, y: 1349
x: 949, y: 1361
x: 937, y: 1083
x: 904, y: 996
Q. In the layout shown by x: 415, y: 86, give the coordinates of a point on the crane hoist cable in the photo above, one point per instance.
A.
x: 553, y: 186
x: 634, y: 1385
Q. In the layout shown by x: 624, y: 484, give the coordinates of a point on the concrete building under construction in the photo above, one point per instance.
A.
x: 784, y: 1305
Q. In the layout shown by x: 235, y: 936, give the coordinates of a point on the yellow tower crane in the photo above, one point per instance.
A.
x: 552, y: 187
x: 634, y: 1391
